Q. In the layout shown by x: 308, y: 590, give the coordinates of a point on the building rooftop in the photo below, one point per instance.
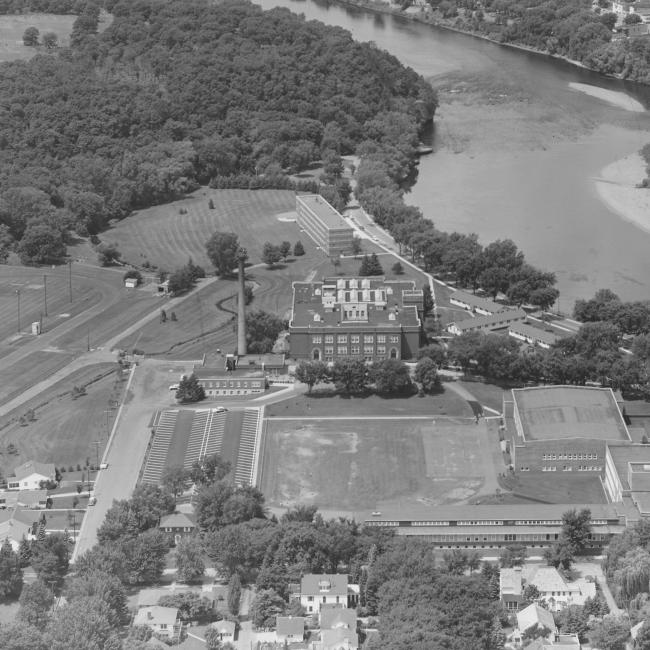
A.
x: 510, y: 582
x: 333, y: 616
x: 550, y: 512
x: 203, y: 372
x: 323, y: 210
x: 477, y: 301
x: 34, y: 467
x: 356, y: 302
x: 531, y: 331
x: 290, y: 625
x: 545, y: 578
x: 330, y: 584
x: 176, y: 520
x: 535, y: 615
x: 494, y: 321
x: 561, y: 412
x: 339, y: 638
x: 225, y: 627
x: 156, y: 615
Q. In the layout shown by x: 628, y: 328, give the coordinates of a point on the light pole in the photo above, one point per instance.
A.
x: 45, y: 294
x: 18, y: 297
x: 70, y: 278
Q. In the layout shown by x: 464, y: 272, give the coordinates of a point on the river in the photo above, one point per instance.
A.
x: 517, y: 150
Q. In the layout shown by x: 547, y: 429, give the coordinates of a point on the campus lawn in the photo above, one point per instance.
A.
x: 324, y: 403
x: 65, y: 429
x: 557, y: 487
x: 351, y: 466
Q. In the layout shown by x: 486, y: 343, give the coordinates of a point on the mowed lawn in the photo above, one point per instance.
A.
x: 167, y: 239
x: 351, y: 466
x: 65, y: 429
x: 12, y: 29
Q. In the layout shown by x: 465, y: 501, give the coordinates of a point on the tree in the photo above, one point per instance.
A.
x: 428, y: 303
x: 576, y: 528
x: 222, y: 249
x: 133, y: 274
x: 311, y: 373
x: 642, y: 641
x: 104, y: 586
x: 192, y: 606
x: 513, y: 556
x: 41, y: 244
x: 209, y: 470
x: 50, y: 558
x: 610, y: 634
x: 271, y: 254
x: 181, y: 281
x: 36, y: 600
x: 632, y: 19
x: 266, y: 605
x: 189, y: 390
x: 83, y: 624
x: 370, y: 265
x: 573, y: 620
x: 350, y: 375
x: 435, y: 352
x: 285, y: 249
x: 262, y: 331
x: 234, y: 594
x: 455, y: 561
x: 298, y: 249
x: 213, y: 639
x: 397, y: 268
x: 174, y: 479
x: 391, y: 376
x: 11, y: 577
x: 189, y: 559
x: 357, y: 247
x: 108, y: 254
x: 145, y: 557
x: 531, y: 594
x: 50, y: 40
x: 30, y: 36
x: 426, y: 373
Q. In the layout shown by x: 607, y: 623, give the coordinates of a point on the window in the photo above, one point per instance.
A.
x: 368, y: 349
x: 342, y: 349
x: 342, y: 338
x: 329, y: 338
x: 355, y: 349
x: 316, y: 354
x: 381, y: 349
x: 394, y: 339
x: 316, y: 339
x: 381, y: 338
x: 368, y: 338
x: 354, y: 338
x: 163, y: 626
x: 329, y: 350
x: 310, y: 599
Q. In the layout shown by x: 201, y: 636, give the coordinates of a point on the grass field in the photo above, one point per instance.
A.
x: 64, y: 429
x: 13, y: 27
x: 558, y: 489
x: 350, y: 466
x: 324, y: 404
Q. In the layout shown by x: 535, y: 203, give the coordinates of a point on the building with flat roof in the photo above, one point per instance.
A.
x: 490, y: 323
x: 474, y: 303
x: 323, y: 224
x: 366, y: 318
x: 495, y: 526
x: 627, y: 477
x: 563, y: 428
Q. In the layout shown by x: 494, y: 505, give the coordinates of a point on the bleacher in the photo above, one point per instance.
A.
x: 206, y: 436
x: 157, y: 456
x: 247, y: 448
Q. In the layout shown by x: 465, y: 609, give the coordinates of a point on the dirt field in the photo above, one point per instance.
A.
x: 64, y: 429
x: 352, y: 466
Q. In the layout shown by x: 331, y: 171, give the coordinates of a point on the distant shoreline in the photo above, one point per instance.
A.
x: 617, y: 188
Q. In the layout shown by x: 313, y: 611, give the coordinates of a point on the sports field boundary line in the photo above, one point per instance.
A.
x: 272, y: 418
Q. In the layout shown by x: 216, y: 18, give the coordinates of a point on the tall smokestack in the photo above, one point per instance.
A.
x: 242, y: 256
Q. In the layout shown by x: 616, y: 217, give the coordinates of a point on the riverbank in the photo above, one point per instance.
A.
x: 618, y: 188
x: 621, y: 100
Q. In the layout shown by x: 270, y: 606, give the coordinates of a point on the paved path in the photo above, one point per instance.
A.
x: 594, y: 569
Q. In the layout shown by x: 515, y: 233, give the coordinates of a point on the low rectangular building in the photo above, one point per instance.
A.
x: 221, y: 382
x: 475, y: 304
x: 500, y: 320
x: 532, y: 335
x: 324, y: 224
x: 365, y: 318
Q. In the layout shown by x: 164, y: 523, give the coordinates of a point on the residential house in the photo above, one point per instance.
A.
x: 290, y: 629
x: 559, y: 642
x: 31, y: 499
x: 164, y: 621
x: 511, y: 589
x: 30, y: 475
x: 177, y: 526
x: 556, y: 592
x: 225, y: 629
x: 333, y: 617
x: 14, y: 527
x: 317, y: 590
x: 338, y: 639
x: 536, y: 616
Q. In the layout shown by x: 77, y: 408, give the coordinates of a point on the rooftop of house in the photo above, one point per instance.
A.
x: 12, y: 528
x: 323, y: 210
x: 551, y: 512
x: 332, y: 638
x: 34, y: 467
x: 151, y: 596
x: 510, y: 582
x: 176, y: 520
x: 224, y: 627
x: 356, y: 302
x: 156, y: 615
x: 545, y: 578
x: 330, y: 584
x: 26, y: 498
x: 477, y: 301
x: 502, y: 318
x: 290, y: 625
x: 525, y: 329
x: 561, y: 412
x: 332, y: 617
x: 535, y: 615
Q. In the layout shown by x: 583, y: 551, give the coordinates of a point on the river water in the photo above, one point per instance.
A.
x: 517, y: 150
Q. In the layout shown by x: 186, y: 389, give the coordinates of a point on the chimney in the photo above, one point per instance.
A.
x: 242, y: 256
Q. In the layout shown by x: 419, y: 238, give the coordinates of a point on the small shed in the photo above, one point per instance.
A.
x: 131, y: 283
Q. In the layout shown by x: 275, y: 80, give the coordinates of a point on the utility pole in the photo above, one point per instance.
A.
x: 70, y: 278
x: 18, y: 297
x: 88, y: 341
x: 45, y: 294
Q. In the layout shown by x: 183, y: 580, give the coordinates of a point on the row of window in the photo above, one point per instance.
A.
x: 569, y: 468
x: 570, y: 457
x: 230, y: 383
x: 483, y: 522
x: 354, y: 338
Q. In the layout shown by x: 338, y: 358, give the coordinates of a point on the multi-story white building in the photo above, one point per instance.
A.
x: 324, y: 224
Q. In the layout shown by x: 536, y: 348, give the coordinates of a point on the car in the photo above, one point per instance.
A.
x: 174, y: 387
x: 221, y: 409
x: 103, y: 466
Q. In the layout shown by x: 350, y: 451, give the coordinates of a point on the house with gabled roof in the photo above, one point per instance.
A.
x: 225, y: 630
x: 338, y: 639
x: 333, y: 617
x: 164, y: 621
x: 536, y: 616
x: 176, y: 526
x: 15, y: 527
x: 317, y: 590
x: 290, y: 629
x: 30, y: 475
x: 554, y: 590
